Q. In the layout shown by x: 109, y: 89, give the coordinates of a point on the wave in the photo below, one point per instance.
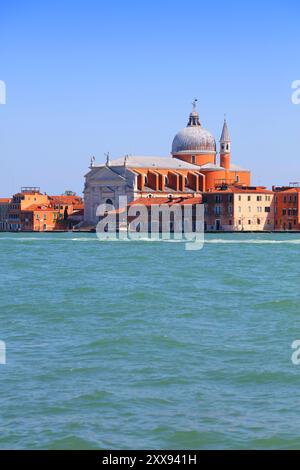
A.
x: 254, y: 241
x: 29, y: 239
x: 145, y: 239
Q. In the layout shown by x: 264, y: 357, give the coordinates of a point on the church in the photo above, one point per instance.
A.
x: 193, y: 168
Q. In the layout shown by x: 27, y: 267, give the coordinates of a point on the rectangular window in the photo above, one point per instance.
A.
x: 217, y: 210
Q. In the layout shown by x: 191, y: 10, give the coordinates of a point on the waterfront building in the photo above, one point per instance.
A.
x: 165, y: 212
x: 30, y: 210
x: 287, y: 207
x: 41, y: 218
x: 4, y: 205
x: 22, y: 200
x: 238, y: 208
x: 191, y: 169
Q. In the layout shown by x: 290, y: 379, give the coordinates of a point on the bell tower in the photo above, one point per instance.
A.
x: 225, y: 149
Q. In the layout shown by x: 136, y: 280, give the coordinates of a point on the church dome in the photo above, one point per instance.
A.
x: 193, y: 138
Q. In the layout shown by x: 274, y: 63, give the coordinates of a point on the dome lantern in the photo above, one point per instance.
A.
x: 194, y: 116
x: 194, y: 143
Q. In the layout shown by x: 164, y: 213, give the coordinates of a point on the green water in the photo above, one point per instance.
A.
x: 120, y: 345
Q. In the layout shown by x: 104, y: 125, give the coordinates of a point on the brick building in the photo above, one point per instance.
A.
x: 4, y: 206
x: 287, y: 207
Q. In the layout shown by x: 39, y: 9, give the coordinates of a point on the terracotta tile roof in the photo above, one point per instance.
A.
x: 148, y: 202
x: 234, y: 189
x: 66, y: 199
x: 78, y: 207
x: 4, y: 200
x: 38, y: 207
x: 164, y: 200
x: 287, y: 190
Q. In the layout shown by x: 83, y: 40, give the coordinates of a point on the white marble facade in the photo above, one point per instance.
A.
x: 104, y: 185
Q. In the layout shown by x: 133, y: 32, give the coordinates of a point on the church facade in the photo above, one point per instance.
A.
x: 193, y: 168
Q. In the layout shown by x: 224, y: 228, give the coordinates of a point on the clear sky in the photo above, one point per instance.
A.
x: 87, y: 77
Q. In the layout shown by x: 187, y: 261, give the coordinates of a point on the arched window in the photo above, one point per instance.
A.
x: 193, y: 158
x: 237, y: 179
x: 109, y: 201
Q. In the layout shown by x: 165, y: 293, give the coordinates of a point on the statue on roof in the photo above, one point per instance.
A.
x: 107, y: 158
x: 194, y: 103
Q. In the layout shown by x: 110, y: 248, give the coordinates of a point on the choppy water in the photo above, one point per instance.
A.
x: 146, y: 345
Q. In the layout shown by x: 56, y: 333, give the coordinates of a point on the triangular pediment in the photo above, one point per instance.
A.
x: 106, y: 176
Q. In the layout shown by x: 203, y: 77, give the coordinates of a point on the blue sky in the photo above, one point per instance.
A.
x: 87, y: 77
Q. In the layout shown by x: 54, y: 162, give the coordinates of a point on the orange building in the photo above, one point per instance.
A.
x: 30, y: 210
x: 67, y: 203
x: 287, y: 208
x: 20, y: 201
x: 41, y: 218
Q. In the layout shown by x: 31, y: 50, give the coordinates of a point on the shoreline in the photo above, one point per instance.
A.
x: 207, y: 231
